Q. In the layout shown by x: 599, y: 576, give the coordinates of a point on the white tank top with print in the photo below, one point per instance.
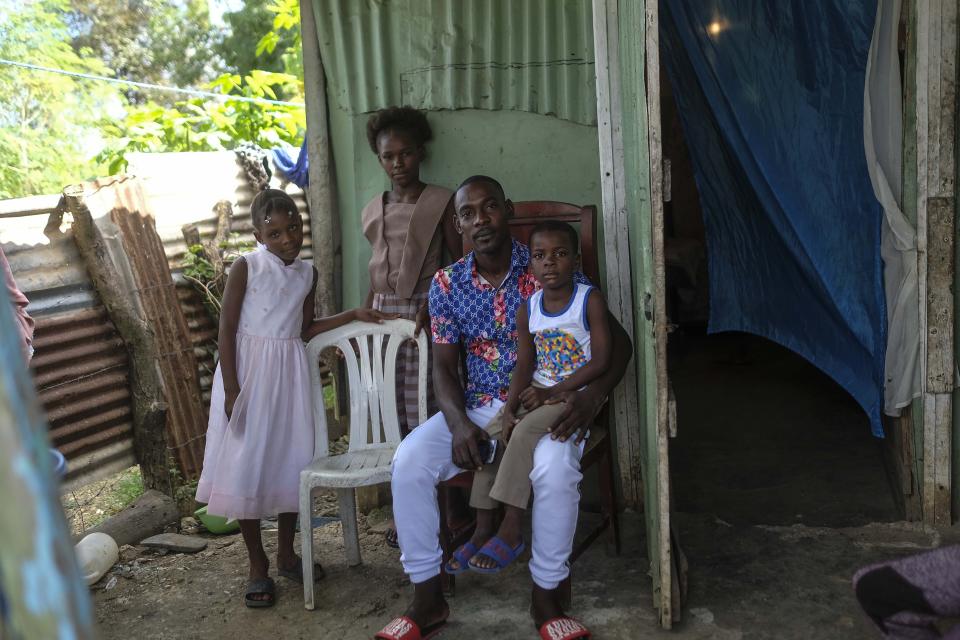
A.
x: 562, y: 339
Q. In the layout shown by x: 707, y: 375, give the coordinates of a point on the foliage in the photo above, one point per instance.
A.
x: 208, y: 125
x: 56, y: 130
x: 245, y: 28
x: 284, y: 36
x: 199, y: 124
x: 168, y: 42
x: 208, y: 278
x: 126, y: 490
x: 47, y: 121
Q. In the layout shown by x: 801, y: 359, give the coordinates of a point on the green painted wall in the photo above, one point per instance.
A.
x: 536, y: 157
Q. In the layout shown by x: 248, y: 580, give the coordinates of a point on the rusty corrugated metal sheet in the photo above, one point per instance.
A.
x: 203, y: 336
x: 52, y: 274
x: 525, y: 55
x: 80, y: 369
x: 124, y: 200
x: 80, y: 365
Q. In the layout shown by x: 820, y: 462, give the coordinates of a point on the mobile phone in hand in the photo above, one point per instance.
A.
x: 488, y: 450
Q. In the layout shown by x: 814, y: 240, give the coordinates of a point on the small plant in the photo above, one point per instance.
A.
x: 209, y: 278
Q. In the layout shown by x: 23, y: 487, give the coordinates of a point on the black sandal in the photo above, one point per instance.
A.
x: 390, y: 535
x: 296, y: 573
x: 260, y: 587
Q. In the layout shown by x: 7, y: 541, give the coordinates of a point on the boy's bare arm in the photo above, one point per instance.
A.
x: 522, y: 371
x: 582, y: 406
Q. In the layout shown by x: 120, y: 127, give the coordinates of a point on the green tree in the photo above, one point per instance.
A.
x: 263, y: 36
x: 201, y: 124
x: 48, y: 121
x: 245, y: 28
x: 167, y: 42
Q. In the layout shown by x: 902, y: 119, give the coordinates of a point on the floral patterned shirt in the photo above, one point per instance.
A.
x: 465, y: 309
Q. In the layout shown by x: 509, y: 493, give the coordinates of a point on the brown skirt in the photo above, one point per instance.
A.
x: 407, y: 360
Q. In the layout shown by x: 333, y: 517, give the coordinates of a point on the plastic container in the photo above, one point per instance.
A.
x: 96, y: 553
x: 59, y: 464
x: 216, y: 524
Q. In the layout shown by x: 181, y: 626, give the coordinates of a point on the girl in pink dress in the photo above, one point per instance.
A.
x: 260, y: 433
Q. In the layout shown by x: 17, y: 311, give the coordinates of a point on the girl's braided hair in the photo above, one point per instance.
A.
x: 270, y: 201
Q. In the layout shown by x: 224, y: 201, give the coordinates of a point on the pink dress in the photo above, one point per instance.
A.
x: 252, y: 463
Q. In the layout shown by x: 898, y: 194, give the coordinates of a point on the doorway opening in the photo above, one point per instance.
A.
x: 763, y: 436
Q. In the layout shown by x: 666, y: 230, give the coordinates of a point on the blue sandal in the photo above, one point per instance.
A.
x: 500, y: 552
x: 462, y: 555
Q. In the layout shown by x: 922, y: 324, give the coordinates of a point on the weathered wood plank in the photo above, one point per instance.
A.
x: 935, y: 103
x: 940, y: 312
x: 938, y: 419
x: 149, y: 515
x: 618, y: 290
x: 146, y: 386
x: 652, y: 59
x: 324, y: 216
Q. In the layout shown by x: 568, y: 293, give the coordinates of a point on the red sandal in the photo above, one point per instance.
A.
x: 563, y: 628
x: 404, y: 628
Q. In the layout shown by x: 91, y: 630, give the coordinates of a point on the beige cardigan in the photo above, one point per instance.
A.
x: 424, y: 227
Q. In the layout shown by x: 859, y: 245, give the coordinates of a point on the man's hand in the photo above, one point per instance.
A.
x: 509, y: 422
x: 580, y: 408
x: 466, y: 453
x: 423, y: 321
x: 532, y: 397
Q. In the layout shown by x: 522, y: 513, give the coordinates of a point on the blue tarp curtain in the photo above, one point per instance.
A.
x: 771, y: 98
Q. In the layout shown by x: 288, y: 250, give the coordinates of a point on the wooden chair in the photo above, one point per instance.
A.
x: 370, y: 351
x: 599, y: 451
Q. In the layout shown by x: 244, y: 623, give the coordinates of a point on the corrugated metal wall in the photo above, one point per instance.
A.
x: 524, y: 55
x: 80, y: 364
x: 508, y: 84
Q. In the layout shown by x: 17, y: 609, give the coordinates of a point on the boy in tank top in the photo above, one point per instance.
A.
x: 563, y: 343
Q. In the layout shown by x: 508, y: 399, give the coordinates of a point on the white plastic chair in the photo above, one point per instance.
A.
x: 374, y: 426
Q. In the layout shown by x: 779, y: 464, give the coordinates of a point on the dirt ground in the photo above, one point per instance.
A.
x: 780, y: 496
x: 746, y: 582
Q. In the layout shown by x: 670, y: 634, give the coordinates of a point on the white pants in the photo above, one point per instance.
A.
x: 425, y: 458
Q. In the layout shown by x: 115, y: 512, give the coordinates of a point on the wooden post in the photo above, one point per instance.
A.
x: 146, y: 387
x: 935, y: 103
x: 212, y: 291
x: 41, y: 591
x: 670, y: 610
x: 619, y: 292
x: 324, y: 220
x: 224, y: 211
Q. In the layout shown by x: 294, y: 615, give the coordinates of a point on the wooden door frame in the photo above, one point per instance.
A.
x: 934, y: 102
x: 619, y: 254
x: 616, y: 244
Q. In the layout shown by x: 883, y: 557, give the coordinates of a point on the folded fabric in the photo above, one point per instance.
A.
x: 294, y: 171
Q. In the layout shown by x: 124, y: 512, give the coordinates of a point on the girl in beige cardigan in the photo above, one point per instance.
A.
x: 408, y: 228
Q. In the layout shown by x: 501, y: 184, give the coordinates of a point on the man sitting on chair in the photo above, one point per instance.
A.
x: 473, y: 302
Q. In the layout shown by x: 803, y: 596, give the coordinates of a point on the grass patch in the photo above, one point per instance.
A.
x: 90, y: 505
x: 329, y: 397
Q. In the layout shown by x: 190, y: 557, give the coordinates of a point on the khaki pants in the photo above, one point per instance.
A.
x: 507, y: 480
